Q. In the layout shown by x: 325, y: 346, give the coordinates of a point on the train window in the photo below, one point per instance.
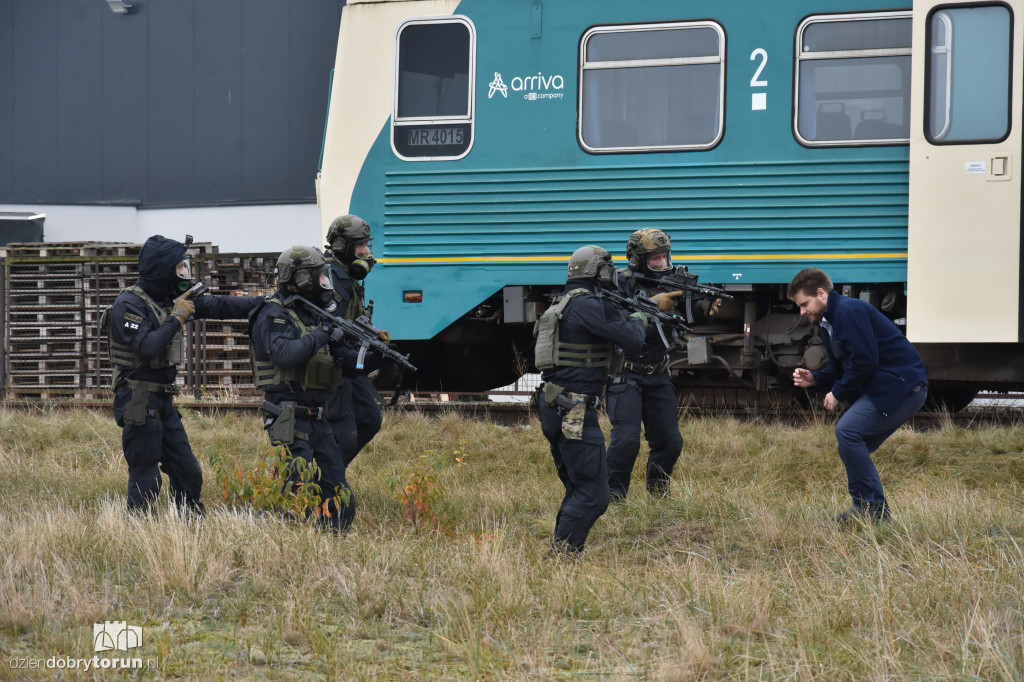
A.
x: 968, y: 74
x: 432, y: 115
x: 853, y: 79
x: 651, y: 87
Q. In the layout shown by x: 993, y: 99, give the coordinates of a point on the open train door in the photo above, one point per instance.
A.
x: 964, y: 270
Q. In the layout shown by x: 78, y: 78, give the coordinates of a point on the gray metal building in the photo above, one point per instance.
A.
x: 203, y: 116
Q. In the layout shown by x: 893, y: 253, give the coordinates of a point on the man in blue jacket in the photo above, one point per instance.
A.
x: 872, y: 365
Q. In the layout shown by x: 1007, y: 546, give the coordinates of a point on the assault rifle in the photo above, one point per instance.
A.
x: 359, y: 330
x: 643, y: 304
x: 681, y: 279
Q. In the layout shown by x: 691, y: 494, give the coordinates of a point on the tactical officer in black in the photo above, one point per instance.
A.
x: 575, y: 349
x: 349, y: 251
x: 146, y: 344
x: 298, y: 365
x: 642, y: 391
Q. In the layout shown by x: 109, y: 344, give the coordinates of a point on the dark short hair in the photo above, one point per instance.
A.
x: 807, y: 282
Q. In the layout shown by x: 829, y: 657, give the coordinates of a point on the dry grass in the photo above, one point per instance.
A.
x: 739, y: 574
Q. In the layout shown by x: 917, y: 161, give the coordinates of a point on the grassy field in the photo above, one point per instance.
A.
x: 739, y: 574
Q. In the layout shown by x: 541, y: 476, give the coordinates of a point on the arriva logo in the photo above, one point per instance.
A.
x: 498, y: 85
x: 532, y: 87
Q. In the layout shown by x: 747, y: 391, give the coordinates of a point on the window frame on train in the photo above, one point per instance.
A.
x: 437, y: 135
x: 715, y: 104
x: 873, y: 56
x: 942, y: 124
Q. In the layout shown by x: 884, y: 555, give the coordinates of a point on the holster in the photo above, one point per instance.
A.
x: 557, y: 396
x: 279, y: 421
x: 137, y: 408
x: 553, y: 395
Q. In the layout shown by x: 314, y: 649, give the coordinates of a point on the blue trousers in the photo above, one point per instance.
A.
x: 650, y: 399
x: 860, y: 431
x: 582, y: 468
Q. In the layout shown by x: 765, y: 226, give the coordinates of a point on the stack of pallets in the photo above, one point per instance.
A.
x: 52, y: 298
x: 222, y: 346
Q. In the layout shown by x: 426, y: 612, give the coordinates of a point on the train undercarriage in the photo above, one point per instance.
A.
x: 743, y: 358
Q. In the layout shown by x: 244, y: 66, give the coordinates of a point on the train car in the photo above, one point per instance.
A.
x: 485, y: 141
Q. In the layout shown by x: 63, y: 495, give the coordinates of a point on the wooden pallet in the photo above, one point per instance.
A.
x: 53, y: 305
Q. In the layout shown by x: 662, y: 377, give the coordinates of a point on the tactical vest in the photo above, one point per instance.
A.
x: 320, y: 373
x: 551, y: 352
x: 121, y: 355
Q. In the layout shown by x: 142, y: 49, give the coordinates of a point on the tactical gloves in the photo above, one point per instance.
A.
x: 666, y: 300
x: 183, y: 309
x: 711, y: 306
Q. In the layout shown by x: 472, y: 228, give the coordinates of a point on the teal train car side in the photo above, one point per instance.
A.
x: 485, y: 141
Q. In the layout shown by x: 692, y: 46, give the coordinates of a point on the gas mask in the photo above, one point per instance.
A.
x: 655, y: 263
x: 362, y: 259
x: 181, y: 280
x: 316, y: 286
x: 607, y: 275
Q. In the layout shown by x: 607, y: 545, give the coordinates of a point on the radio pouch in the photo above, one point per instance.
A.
x: 137, y: 408
x: 572, y: 422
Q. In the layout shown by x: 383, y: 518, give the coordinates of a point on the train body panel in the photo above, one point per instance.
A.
x: 965, y: 178
x: 498, y: 183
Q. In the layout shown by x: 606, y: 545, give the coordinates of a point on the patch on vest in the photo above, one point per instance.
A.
x: 278, y: 320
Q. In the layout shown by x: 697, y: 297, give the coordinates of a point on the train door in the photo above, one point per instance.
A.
x: 964, y: 266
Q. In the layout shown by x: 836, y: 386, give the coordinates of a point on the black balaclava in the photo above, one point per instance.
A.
x: 158, y: 262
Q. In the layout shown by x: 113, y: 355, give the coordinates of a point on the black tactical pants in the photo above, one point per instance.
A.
x: 649, y: 399
x: 367, y: 412
x: 160, y: 443
x: 582, y: 467
x: 341, y: 414
x: 322, y: 448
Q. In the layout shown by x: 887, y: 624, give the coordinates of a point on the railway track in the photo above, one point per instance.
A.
x: 995, y: 409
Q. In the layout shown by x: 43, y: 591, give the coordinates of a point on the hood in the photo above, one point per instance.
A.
x: 157, y: 262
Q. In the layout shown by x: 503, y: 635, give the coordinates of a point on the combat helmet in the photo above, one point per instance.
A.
x: 593, y: 262
x: 302, y: 270
x: 344, y: 234
x: 645, y: 242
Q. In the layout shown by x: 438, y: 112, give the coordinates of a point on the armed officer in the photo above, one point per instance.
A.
x: 297, y: 363
x: 575, y: 350
x: 642, y: 391
x: 146, y: 344
x: 349, y: 251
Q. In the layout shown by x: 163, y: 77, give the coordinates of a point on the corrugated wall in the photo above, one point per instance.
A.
x: 179, y: 102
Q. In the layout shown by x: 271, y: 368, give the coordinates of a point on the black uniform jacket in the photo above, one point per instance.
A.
x: 277, y: 338
x: 134, y: 324
x: 589, y: 319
